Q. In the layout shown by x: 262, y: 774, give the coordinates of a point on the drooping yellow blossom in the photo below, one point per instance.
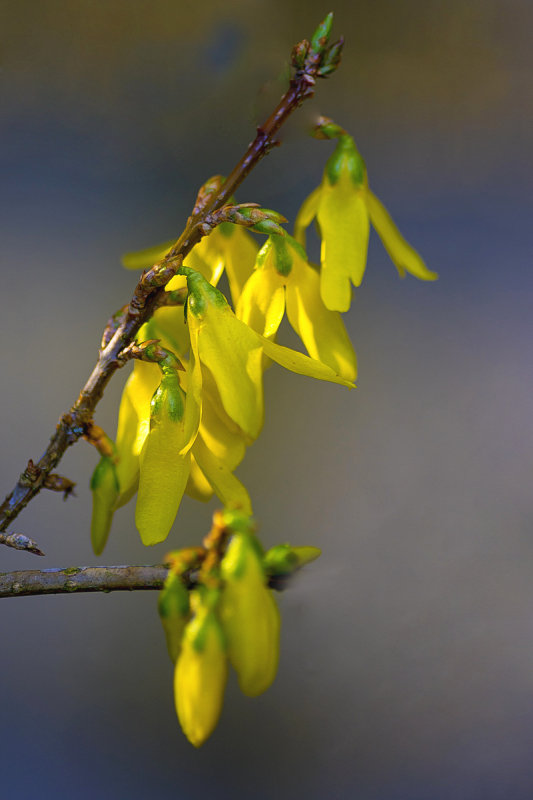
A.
x: 164, y: 470
x: 284, y: 280
x: 201, y: 674
x: 206, y: 449
x: 249, y: 616
x: 344, y: 206
x: 231, y: 352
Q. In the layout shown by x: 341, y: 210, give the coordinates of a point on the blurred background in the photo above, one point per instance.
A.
x: 407, y: 658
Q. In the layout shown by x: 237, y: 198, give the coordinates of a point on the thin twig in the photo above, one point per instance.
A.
x: 147, y: 295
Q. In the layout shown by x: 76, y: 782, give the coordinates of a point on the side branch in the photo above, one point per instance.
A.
x: 81, y: 579
x: 74, y: 580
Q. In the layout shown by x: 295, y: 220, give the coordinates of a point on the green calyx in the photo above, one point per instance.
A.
x: 282, y: 257
x: 201, y: 293
x: 173, y: 599
x: 237, y: 522
x: 227, y: 229
x: 168, y: 400
x: 242, y: 548
x: 345, y: 159
x: 206, y: 619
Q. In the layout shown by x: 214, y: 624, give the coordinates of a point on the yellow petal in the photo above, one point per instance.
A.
x: 206, y: 258
x: 200, y: 679
x: 404, y: 257
x: 141, y: 386
x: 306, y: 213
x: 144, y: 259
x: 168, y: 325
x: 322, y: 331
x: 240, y: 250
x: 303, y: 365
x: 225, y: 443
x: 105, y: 489
x: 344, y: 226
x: 262, y: 302
x: 232, y: 353
x: 227, y: 487
x: 198, y: 487
x: 127, y: 465
x: 250, y: 617
x: 164, y: 472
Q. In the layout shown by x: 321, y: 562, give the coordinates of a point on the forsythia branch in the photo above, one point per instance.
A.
x: 82, y: 579
x: 310, y: 61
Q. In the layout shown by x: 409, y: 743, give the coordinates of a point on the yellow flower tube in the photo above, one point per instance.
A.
x: 249, y: 616
x: 163, y: 471
x: 200, y: 676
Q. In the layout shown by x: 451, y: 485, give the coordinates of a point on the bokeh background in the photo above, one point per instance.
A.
x: 407, y: 659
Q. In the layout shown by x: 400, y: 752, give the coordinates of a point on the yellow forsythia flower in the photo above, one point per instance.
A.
x: 249, y: 616
x: 284, y: 280
x: 164, y: 471
x: 200, y: 675
x: 232, y: 352
x: 344, y: 206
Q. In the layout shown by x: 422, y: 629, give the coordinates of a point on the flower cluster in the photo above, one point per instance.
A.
x: 194, y: 402
x: 230, y: 616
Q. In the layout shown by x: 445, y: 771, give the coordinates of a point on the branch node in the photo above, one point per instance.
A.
x: 20, y: 542
x: 58, y: 483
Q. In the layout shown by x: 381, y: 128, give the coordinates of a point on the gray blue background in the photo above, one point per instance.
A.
x: 407, y: 657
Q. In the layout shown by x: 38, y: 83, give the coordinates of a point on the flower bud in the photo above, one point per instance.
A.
x: 200, y: 676
x: 321, y: 35
x: 283, y: 559
x: 105, y: 489
x: 249, y: 616
x: 299, y: 54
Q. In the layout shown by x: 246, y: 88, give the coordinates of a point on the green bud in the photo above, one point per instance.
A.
x: 331, y: 59
x: 268, y: 226
x: 299, y: 54
x: 105, y: 489
x: 321, y: 36
x: 173, y: 606
x: 283, y: 559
